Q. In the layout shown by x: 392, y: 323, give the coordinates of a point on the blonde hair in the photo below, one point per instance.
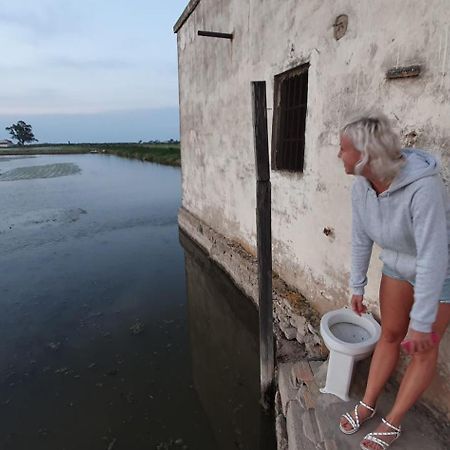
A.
x: 379, y: 145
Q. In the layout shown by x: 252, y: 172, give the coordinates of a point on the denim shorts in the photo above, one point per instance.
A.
x: 445, y: 294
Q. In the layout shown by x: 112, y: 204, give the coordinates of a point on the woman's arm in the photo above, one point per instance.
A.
x: 430, y: 232
x: 361, y: 245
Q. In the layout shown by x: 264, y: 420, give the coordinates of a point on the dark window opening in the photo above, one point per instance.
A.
x: 289, y: 119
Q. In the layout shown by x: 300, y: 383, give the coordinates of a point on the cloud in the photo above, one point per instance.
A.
x: 43, y: 19
x: 90, y: 63
x: 72, y: 56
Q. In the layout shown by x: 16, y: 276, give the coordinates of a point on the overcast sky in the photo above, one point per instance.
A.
x: 90, y: 70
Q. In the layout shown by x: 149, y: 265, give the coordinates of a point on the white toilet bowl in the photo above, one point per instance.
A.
x: 349, y: 338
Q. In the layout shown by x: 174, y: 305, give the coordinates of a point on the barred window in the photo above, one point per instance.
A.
x: 290, y: 102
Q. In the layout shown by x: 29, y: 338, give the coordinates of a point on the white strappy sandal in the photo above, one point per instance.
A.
x: 355, y: 422
x: 373, y: 437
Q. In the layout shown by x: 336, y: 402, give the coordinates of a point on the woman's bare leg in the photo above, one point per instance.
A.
x: 417, y: 378
x: 396, y: 299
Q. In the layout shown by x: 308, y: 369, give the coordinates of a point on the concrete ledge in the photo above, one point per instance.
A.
x: 312, y: 417
x: 185, y: 15
x: 286, y: 387
x: 280, y: 424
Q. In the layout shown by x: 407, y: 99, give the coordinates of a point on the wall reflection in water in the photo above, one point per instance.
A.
x: 223, y: 326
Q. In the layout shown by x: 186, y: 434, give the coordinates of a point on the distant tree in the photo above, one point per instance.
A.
x: 21, y: 132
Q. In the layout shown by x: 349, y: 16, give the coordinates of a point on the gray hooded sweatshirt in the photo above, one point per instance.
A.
x: 411, y: 223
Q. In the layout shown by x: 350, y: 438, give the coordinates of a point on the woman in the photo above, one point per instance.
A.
x: 400, y: 203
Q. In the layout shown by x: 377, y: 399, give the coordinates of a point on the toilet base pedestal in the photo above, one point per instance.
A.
x: 339, y: 375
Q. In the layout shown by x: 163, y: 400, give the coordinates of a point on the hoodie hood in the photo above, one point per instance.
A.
x: 418, y: 164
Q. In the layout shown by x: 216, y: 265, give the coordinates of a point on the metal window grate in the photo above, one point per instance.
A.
x: 288, y: 145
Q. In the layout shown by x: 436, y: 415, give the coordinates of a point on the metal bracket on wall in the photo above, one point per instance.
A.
x: 216, y: 34
x: 403, y: 72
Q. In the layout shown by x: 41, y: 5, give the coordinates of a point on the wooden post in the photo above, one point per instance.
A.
x: 264, y: 238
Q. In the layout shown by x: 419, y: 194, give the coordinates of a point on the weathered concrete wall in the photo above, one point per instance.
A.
x: 345, y: 77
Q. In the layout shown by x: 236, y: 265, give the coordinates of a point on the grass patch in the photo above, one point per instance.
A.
x: 168, y: 154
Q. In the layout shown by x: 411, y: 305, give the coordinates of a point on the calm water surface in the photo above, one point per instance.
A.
x: 113, y: 335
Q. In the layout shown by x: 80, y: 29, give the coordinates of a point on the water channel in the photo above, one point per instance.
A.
x: 116, y: 331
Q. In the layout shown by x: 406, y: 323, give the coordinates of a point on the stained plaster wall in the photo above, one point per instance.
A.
x: 346, y: 77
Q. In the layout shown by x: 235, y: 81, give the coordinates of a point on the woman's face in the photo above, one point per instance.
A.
x: 349, y: 155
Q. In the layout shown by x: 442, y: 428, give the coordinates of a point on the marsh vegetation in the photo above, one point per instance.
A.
x: 161, y: 153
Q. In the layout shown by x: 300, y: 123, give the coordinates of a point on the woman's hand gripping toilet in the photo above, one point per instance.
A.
x: 357, y: 304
